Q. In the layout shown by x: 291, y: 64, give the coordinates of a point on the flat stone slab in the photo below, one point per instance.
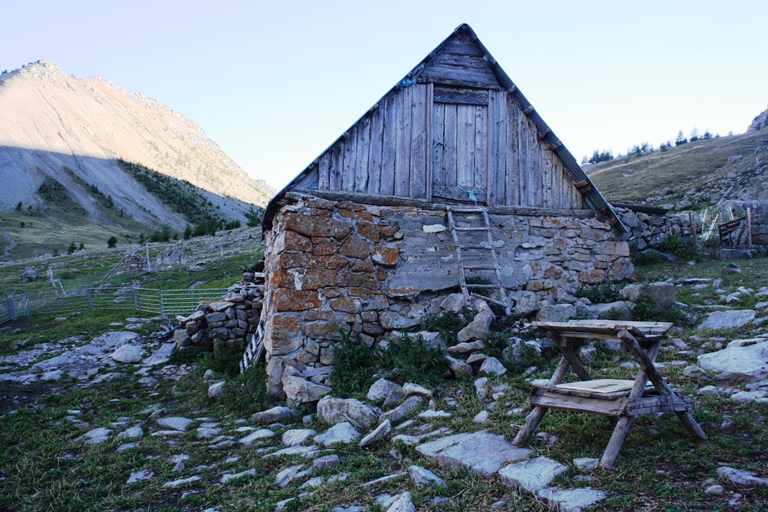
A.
x: 571, y: 500
x: 262, y: 433
x: 480, y: 451
x: 727, y: 319
x: 175, y: 422
x: 531, y: 475
x: 739, y: 477
x: 338, y: 434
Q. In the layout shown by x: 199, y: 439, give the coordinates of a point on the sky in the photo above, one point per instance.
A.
x: 276, y: 82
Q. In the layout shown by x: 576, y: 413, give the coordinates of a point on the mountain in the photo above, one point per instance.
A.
x: 61, y: 142
x: 691, y: 175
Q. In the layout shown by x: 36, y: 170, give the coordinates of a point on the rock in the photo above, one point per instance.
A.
x: 694, y: 372
x: 136, y: 476
x: 384, y: 389
x: 401, y: 411
x: 301, y: 390
x: 226, y: 478
x: 256, y: 435
x: 410, y: 389
x: 96, y: 436
x: 742, y: 478
x: 287, y: 475
x: 297, y: 436
x: 738, y: 364
x: 480, y: 384
x: 181, y: 482
x: 660, y: 293
x: 619, y: 310
x: 732, y: 254
x: 727, y: 319
x: 327, y: 461
x: 571, y: 500
x: 274, y: 415
x: 463, y: 348
x: 216, y: 389
x: 378, y: 433
x: 432, y: 414
x: 421, y: 477
x: 750, y: 396
x: 531, y: 475
x: 478, y: 328
x: 403, y: 503
x: 481, y: 417
x: 586, y: 463
x: 175, y: 422
x: 556, y: 313
x: 481, y: 452
x: 714, y: 489
x: 459, y: 367
x: 51, y: 376
x: 454, y: 302
x: 127, y: 354
x: 339, y: 410
x: 131, y: 433
x: 492, y: 366
x: 337, y: 434
x: 527, y: 304
x: 28, y: 274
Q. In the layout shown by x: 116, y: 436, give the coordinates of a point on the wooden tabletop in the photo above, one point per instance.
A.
x: 645, y: 331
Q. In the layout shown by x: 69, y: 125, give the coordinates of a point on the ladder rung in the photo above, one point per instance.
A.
x: 479, y: 267
x: 492, y: 286
x: 475, y: 247
x: 466, y: 210
x: 488, y: 299
x: 483, y: 228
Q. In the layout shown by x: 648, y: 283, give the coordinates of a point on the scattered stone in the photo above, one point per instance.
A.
x: 288, y: 475
x: 714, y: 489
x: 378, y: 433
x: 51, y: 376
x: 144, y: 474
x: 433, y: 414
x: 467, y: 346
x: 481, y: 452
x: 96, y: 436
x: 127, y: 354
x: 571, y: 500
x: 403, y: 503
x: 411, y: 403
x: 410, y: 389
x: 531, y: 475
x: 256, y: 435
x: 175, y: 422
x: 206, y: 432
x: 750, y: 396
x: 742, y: 478
x: 298, y: 436
x: 301, y: 450
x: 492, y: 366
x: 727, y: 319
x: 481, y: 417
x: 326, y: 461
x: 126, y: 446
x: 346, y: 410
x: 546, y: 438
x: 131, y: 433
x: 216, y: 389
x: 421, y: 477
x: 338, y: 434
x: 459, y: 367
x: 181, y: 482
x: 384, y: 389
x: 480, y: 387
x: 694, y: 372
x: 274, y: 415
x: 586, y: 463
x: 730, y: 269
x: 248, y: 472
x: 302, y: 390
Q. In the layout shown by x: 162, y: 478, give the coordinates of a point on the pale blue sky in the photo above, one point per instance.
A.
x: 274, y: 83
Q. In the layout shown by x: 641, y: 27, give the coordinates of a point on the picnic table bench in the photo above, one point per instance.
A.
x: 622, y: 399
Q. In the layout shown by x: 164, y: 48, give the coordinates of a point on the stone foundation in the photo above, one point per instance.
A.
x: 336, y: 266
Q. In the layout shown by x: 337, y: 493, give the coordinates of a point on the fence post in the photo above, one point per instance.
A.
x: 90, y: 298
x: 136, y: 301
x: 160, y: 301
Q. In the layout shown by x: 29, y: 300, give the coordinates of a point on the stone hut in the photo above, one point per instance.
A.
x: 366, y: 237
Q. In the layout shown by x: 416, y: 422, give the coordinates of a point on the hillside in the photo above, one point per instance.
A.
x: 60, y: 141
x: 695, y: 174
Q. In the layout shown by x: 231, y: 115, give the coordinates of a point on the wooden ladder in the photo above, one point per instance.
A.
x: 479, y: 252
x: 254, y: 350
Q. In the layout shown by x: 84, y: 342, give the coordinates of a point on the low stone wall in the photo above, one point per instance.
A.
x: 336, y: 266
x: 226, y: 323
x: 650, y: 231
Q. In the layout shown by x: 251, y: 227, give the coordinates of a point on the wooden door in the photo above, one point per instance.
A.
x: 459, y: 162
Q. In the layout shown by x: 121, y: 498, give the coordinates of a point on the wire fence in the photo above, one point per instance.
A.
x: 12, y: 307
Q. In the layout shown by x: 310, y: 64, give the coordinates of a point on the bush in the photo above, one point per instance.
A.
x: 353, y: 366
x: 411, y: 360
x: 112, y: 242
x: 72, y: 248
x: 247, y: 392
x: 648, y: 310
x: 448, y: 325
x: 683, y: 247
x: 600, y: 293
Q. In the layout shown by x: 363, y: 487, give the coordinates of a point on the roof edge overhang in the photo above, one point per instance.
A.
x: 581, y: 181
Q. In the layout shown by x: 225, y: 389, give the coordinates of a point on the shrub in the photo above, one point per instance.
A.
x: 648, y: 310
x: 447, y: 324
x: 410, y: 360
x: 683, y: 247
x: 112, y: 242
x: 247, y: 392
x: 72, y: 248
x: 600, y: 293
x: 353, y: 366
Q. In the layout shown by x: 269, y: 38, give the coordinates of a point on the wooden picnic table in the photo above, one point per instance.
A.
x: 622, y: 399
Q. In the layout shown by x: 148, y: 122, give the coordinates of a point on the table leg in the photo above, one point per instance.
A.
x: 534, y: 417
x: 617, y: 438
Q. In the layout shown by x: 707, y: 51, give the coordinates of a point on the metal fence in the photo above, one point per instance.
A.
x: 12, y: 307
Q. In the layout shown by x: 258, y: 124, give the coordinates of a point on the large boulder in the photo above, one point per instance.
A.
x: 340, y: 410
x: 727, y: 319
x: 660, y: 293
x: 301, y: 390
x: 736, y: 364
x: 556, y: 312
x: 478, y: 328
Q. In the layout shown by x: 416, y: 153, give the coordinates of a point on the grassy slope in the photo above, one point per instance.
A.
x: 680, y: 168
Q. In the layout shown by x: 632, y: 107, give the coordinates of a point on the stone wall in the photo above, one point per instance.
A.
x: 336, y: 266
x: 650, y: 231
x: 228, y: 322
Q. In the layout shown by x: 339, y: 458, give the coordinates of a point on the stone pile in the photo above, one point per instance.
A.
x: 650, y: 231
x: 225, y: 323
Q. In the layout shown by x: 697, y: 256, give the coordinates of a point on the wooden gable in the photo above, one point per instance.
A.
x: 455, y: 129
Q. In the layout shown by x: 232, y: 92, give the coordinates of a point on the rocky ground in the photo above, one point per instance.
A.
x: 111, y: 420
